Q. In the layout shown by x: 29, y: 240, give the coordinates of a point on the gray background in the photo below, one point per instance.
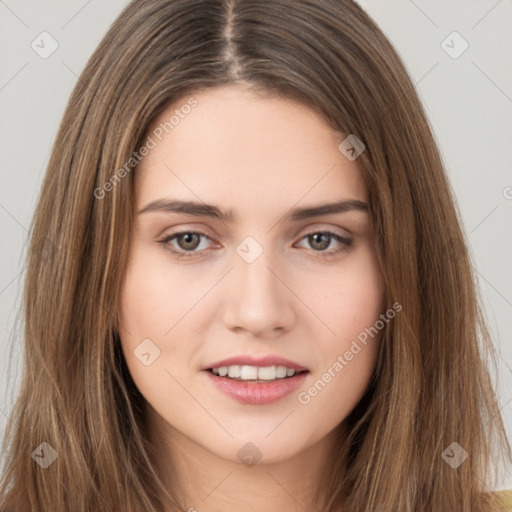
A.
x: 468, y: 100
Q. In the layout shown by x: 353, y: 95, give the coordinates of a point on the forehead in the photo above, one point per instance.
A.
x: 234, y: 146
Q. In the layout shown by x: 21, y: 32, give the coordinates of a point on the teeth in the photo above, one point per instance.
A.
x: 248, y: 372
x: 269, y: 373
x: 234, y: 371
x: 244, y: 372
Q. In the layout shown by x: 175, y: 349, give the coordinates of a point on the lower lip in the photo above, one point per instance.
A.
x: 257, y: 393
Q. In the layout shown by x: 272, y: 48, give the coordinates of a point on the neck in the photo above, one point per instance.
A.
x: 202, y: 480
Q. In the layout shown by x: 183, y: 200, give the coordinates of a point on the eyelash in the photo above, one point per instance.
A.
x: 345, y: 243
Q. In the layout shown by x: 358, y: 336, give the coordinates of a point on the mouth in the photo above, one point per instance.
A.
x: 253, y: 385
x: 247, y: 373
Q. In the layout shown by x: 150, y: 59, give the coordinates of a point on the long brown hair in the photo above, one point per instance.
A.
x: 431, y: 386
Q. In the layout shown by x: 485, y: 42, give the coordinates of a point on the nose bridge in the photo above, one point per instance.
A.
x: 252, y: 268
x: 259, y: 301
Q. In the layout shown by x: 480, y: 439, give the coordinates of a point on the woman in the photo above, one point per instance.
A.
x: 318, y: 346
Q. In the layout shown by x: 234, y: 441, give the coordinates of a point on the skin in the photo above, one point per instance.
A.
x: 259, y: 156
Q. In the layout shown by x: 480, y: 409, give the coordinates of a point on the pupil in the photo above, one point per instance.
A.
x: 323, y: 245
x: 189, y: 239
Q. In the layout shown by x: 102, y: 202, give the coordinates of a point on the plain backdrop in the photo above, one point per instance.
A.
x: 457, y: 53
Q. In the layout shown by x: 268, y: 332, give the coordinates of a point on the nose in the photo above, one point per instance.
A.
x: 258, y: 298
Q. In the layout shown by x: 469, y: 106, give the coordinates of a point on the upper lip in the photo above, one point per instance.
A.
x: 270, y: 360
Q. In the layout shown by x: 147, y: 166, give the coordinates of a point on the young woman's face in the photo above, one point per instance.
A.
x: 261, y: 287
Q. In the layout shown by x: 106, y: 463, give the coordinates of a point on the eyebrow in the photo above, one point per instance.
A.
x: 210, y: 210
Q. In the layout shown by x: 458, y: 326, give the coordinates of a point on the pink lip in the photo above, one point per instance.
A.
x: 257, y: 361
x: 257, y: 393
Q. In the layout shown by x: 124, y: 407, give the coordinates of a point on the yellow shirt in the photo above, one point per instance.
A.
x: 506, y: 496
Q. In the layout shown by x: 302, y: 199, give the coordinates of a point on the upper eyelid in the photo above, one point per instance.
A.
x: 321, y: 227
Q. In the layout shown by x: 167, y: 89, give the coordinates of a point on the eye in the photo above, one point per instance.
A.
x: 187, y: 241
x: 321, y: 240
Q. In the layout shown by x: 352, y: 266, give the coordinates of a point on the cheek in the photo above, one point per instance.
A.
x: 359, y: 300
x: 351, y: 308
x: 351, y: 298
x: 152, y: 300
x: 148, y: 311
x: 146, y: 314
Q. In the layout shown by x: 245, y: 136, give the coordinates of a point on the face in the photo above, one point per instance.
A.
x: 256, y: 280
